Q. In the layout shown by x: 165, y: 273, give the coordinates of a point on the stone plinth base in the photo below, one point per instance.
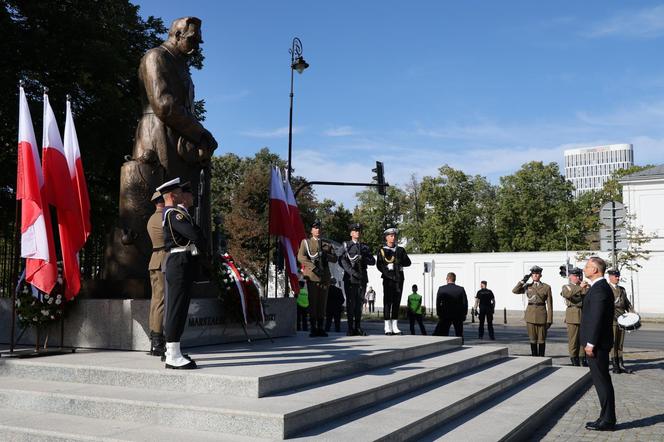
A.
x: 122, y: 324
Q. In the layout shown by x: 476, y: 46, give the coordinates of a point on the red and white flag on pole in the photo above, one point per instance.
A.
x: 298, y: 231
x: 280, y: 225
x: 60, y: 193
x: 75, y: 165
x: 37, y: 245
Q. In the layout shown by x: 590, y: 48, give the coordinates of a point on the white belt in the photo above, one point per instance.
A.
x: 180, y: 249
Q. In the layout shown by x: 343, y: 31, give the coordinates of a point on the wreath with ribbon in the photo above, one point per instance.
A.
x: 36, y: 308
x: 239, y: 293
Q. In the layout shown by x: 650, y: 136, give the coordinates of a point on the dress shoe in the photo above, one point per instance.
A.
x: 190, y: 366
x: 322, y: 333
x: 602, y: 426
x: 593, y: 423
x: 360, y: 332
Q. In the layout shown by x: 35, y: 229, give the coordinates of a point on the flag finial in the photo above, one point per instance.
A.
x: 45, y: 89
x: 68, y: 97
x: 21, y: 83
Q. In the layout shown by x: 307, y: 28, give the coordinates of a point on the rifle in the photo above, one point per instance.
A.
x: 201, y: 189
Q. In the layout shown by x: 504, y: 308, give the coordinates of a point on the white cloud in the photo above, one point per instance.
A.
x: 341, y: 131
x: 273, y: 133
x: 644, y: 23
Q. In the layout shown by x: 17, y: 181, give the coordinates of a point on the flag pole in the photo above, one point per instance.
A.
x: 267, y: 250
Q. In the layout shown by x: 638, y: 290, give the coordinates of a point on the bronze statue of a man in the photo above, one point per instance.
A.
x: 170, y: 142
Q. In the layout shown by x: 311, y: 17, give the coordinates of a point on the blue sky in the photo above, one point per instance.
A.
x: 481, y: 85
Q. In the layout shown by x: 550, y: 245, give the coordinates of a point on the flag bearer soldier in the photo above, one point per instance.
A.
x: 539, y: 312
x: 390, y: 261
x: 621, y: 306
x: 574, y: 292
x: 354, y: 259
x: 314, y: 256
x: 156, y: 233
x: 183, y: 240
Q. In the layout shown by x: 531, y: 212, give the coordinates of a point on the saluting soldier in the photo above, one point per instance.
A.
x: 621, y: 306
x: 539, y: 312
x: 315, y: 256
x: 574, y: 292
x: 156, y: 233
x: 354, y: 259
x: 183, y: 241
x: 390, y: 261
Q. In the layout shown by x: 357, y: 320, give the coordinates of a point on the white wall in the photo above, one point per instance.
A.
x: 503, y: 270
x: 645, y: 200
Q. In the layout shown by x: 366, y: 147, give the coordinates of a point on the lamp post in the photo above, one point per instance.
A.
x: 297, y: 64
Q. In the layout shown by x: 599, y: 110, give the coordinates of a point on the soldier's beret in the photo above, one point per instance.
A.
x: 614, y: 272
x: 576, y: 271
x: 390, y: 231
x: 355, y: 227
x: 316, y: 223
x: 169, y: 186
x: 536, y: 269
x: 155, y: 196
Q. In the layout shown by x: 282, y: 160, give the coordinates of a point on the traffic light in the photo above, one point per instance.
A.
x: 379, y: 178
x: 565, y: 269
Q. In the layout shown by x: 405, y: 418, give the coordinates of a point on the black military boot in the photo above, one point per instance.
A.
x: 351, y: 328
x: 541, y: 348
x: 621, y: 364
x: 159, y: 348
x: 575, y: 361
x: 321, y: 331
x: 584, y: 362
x: 616, y: 366
x: 533, y: 349
x: 314, y: 330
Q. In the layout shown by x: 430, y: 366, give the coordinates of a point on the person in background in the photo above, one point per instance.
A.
x: 371, y: 299
x: 486, y: 302
x: 335, y: 307
x: 451, y: 307
x: 415, y: 311
x: 302, y: 308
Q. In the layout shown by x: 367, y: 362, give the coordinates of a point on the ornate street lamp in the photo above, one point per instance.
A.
x: 297, y: 64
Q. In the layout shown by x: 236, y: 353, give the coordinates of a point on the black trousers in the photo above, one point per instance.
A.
x: 443, y: 327
x: 599, y: 372
x: 488, y: 315
x: 412, y: 317
x: 371, y: 306
x: 391, y: 298
x: 333, y: 317
x: 180, y: 273
x: 354, y: 302
x: 302, y: 318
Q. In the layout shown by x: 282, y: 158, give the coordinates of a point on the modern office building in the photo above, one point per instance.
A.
x: 589, y: 168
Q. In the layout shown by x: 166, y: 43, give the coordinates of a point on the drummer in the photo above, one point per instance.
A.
x: 621, y: 305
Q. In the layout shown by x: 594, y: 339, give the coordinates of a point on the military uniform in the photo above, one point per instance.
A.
x: 354, y: 259
x: 156, y: 321
x: 314, y: 256
x: 390, y: 261
x: 621, y: 306
x: 539, y: 312
x: 574, y: 295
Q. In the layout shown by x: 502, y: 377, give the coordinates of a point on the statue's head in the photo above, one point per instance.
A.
x: 185, y: 34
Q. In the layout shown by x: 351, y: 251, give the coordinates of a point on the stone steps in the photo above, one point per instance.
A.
x: 339, y: 388
x: 275, y: 416
x: 293, y: 366
x: 517, y: 413
x: 420, y: 412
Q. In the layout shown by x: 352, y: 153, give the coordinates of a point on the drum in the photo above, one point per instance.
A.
x: 629, y: 321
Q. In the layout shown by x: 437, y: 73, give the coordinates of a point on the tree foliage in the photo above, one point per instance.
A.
x: 376, y: 213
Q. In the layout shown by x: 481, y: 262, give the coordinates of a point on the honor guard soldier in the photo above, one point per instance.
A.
x: 354, y: 259
x: 390, y: 261
x: 621, y: 306
x: 156, y: 233
x: 183, y: 240
x: 315, y: 256
x: 539, y: 312
x: 574, y: 292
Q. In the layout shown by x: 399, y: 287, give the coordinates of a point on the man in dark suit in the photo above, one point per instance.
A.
x: 597, y: 336
x: 451, y: 308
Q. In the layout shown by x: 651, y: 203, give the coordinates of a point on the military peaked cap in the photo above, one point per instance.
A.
x: 614, y: 272
x: 169, y: 186
x: 536, y: 269
x: 390, y: 231
x: 576, y: 271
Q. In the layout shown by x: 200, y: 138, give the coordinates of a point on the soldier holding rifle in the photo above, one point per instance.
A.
x: 390, y: 261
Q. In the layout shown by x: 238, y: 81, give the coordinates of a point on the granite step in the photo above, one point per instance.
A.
x: 515, y: 415
x: 244, y: 370
x: 277, y: 416
x: 419, y: 412
x: 37, y: 426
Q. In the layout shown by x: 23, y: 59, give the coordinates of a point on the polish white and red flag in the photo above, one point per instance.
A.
x: 298, y: 231
x: 60, y: 194
x: 75, y: 165
x: 37, y: 245
x: 281, y: 225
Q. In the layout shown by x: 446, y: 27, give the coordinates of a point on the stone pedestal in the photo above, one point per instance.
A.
x: 122, y: 324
